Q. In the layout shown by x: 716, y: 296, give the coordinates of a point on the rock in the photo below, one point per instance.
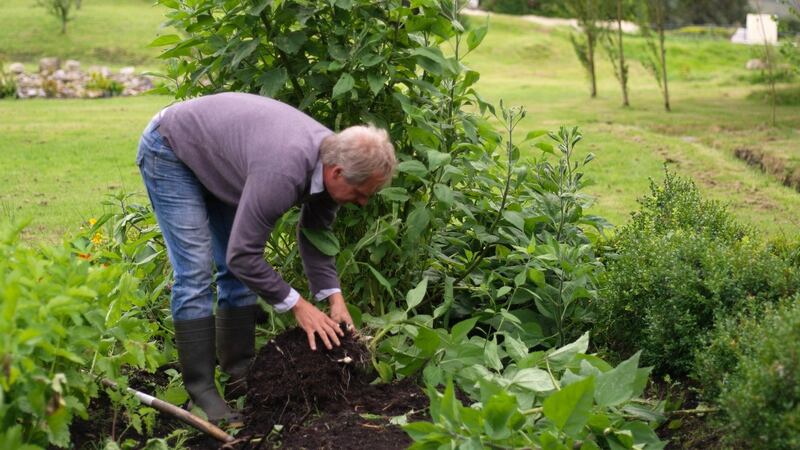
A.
x: 71, y: 65
x: 755, y: 64
x: 127, y: 71
x: 16, y: 68
x: 49, y: 65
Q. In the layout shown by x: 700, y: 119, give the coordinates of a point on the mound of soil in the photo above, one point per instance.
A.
x: 321, y: 399
x: 324, y: 399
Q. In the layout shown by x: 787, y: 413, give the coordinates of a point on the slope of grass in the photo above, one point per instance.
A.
x: 62, y: 158
x: 112, y: 32
x: 712, y: 116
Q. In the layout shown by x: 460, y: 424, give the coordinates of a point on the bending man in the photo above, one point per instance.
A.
x: 220, y: 171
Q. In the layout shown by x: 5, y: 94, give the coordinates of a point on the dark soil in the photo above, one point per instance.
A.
x: 323, y: 402
x: 318, y: 401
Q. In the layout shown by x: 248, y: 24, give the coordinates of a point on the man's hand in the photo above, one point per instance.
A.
x: 339, y: 312
x: 313, y: 321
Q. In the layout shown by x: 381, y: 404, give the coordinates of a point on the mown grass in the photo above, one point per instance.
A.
x: 713, y: 114
x: 62, y: 158
x: 110, y: 32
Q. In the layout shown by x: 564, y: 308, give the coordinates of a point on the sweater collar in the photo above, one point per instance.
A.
x: 317, y: 183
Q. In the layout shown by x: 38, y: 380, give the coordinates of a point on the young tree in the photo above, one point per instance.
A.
x: 588, y: 14
x: 615, y: 49
x: 652, y: 17
x: 60, y: 9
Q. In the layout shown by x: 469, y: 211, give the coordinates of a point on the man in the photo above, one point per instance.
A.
x: 220, y: 171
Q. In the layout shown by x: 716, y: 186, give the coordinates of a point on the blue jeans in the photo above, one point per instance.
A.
x: 196, y: 227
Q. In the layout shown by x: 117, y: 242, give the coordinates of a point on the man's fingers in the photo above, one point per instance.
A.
x: 335, y: 325
x: 311, y: 341
x: 332, y: 331
x: 324, y: 336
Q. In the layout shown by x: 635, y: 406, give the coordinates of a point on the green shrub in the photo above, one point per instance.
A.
x: 681, y: 263
x: 65, y: 321
x: 704, y: 32
x: 8, y: 84
x: 109, y: 87
x: 752, y: 369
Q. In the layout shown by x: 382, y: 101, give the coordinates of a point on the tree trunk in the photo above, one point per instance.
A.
x: 590, y: 59
x: 660, y: 21
x: 623, y: 73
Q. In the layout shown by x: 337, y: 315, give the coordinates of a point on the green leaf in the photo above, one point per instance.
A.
x: 417, y: 222
x: 437, y: 159
x: 413, y: 167
x: 167, y: 39
x: 515, y: 218
x: 376, y: 82
x: 534, y: 134
x: 414, y: 296
x: 537, y: 276
x: 443, y: 193
x: 243, y: 51
x: 570, y: 407
x: 460, y: 330
x: 533, y: 379
x: 394, y: 194
x: 475, y: 36
x: 291, y: 42
x: 563, y: 356
x: 272, y: 81
x: 382, y: 280
x: 384, y: 371
x: 545, y: 147
x: 428, y: 341
x: 420, y: 430
x: 498, y: 411
x: 616, y: 386
x: 324, y: 240
x: 58, y: 427
x: 491, y: 355
x: 344, y: 85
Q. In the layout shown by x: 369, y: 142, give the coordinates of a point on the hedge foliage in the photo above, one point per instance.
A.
x: 679, y: 265
x: 752, y: 370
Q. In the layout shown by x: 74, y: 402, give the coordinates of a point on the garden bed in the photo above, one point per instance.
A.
x: 322, y: 399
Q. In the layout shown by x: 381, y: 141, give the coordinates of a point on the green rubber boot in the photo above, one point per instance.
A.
x: 236, y: 346
x: 195, y: 342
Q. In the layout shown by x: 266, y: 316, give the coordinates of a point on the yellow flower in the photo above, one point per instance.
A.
x: 97, y: 238
x: 92, y: 221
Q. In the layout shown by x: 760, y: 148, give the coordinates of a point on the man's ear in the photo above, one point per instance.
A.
x: 337, y: 172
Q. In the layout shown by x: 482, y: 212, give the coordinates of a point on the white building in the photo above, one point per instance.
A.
x: 761, y: 28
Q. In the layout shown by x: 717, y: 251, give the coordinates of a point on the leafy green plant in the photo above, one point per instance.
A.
x: 60, y: 9
x: 588, y: 13
x: 109, y: 87
x: 556, y: 399
x: 651, y: 16
x: 752, y: 370
x: 8, y: 84
x: 679, y: 265
x: 65, y: 322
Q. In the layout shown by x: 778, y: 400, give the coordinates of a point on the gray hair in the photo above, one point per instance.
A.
x: 360, y: 151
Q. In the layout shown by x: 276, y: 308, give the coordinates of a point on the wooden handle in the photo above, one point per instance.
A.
x: 176, y: 412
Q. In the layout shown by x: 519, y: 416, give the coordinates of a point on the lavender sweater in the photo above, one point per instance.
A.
x: 259, y: 155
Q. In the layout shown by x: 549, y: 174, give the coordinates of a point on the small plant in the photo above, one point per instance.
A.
x: 8, y: 84
x: 60, y: 9
x: 109, y: 87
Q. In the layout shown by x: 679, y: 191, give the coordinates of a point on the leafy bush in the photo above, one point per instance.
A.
x: 64, y: 322
x: 109, y: 87
x: 679, y: 265
x: 464, y: 209
x: 704, y: 32
x: 8, y: 84
x: 752, y: 369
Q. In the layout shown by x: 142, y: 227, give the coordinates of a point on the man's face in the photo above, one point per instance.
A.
x: 343, y: 192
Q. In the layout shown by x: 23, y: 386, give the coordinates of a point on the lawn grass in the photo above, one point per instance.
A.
x: 108, y: 32
x: 712, y: 116
x: 63, y: 157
